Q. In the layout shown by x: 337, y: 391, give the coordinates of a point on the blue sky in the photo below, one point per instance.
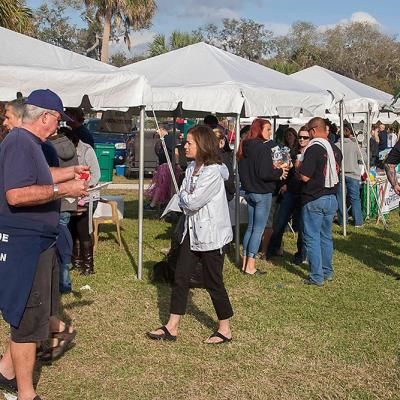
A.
x: 277, y: 15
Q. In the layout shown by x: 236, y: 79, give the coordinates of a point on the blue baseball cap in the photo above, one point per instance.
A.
x: 45, y: 98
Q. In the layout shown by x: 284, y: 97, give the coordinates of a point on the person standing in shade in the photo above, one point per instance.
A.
x: 383, y: 138
x: 207, y: 230
x: 319, y: 172
x: 352, y: 170
x: 259, y: 179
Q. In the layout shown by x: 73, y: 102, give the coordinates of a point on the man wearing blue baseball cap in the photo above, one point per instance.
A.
x: 29, y: 215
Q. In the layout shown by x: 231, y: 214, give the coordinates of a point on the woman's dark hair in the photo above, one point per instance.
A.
x: 207, y: 144
x: 244, y: 131
x: 255, y: 132
x: 289, y: 131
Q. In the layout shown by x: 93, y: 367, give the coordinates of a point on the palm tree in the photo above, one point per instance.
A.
x: 15, y: 16
x: 177, y: 40
x: 131, y: 14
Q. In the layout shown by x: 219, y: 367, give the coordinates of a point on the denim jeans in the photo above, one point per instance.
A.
x: 289, y: 207
x: 258, y: 207
x: 65, y: 279
x: 317, y: 235
x: 353, y: 192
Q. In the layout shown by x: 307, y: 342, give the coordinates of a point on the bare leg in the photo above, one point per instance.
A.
x: 224, y: 328
x: 172, y: 325
x: 24, y: 357
x: 6, y: 364
x: 244, y: 263
x: 251, y: 265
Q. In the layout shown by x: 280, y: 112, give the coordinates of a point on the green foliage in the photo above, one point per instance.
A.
x: 245, y: 37
x: 177, y: 40
x: 15, y: 15
x: 51, y: 25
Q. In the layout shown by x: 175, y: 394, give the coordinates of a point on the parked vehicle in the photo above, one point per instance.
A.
x: 119, y: 140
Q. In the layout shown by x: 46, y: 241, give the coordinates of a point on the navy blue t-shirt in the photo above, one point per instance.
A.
x: 22, y: 163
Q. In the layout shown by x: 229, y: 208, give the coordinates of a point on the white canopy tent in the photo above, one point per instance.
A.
x: 202, y: 79
x: 19, y: 49
x: 357, y: 96
x: 106, y: 90
x: 352, y: 97
x: 27, y: 64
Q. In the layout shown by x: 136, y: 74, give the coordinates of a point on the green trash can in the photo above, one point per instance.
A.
x: 105, y: 155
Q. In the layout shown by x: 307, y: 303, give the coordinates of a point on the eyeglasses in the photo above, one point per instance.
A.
x: 54, y: 115
x: 304, y: 137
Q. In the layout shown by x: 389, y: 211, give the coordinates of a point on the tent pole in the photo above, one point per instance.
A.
x: 141, y: 192
x: 343, y: 183
x: 368, y: 158
x: 237, y: 194
x: 274, y: 129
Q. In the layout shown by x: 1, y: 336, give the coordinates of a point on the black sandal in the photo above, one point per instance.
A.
x: 161, y: 336
x: 65, y: 334
x: 221, y: 336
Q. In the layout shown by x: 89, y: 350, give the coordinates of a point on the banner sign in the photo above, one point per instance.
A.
x: 388, y: 199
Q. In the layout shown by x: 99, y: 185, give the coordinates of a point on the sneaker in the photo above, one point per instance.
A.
x: 9, y: 385
x: 329, y: 278
x: 148, y: 207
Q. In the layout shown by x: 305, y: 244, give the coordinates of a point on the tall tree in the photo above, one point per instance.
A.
x: 15, y: 15
x: 245, y: 37
x: 52, y: 25
x: 125, y: 14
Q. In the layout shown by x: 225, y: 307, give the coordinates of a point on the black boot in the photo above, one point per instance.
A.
x: 76, y: 259
x: 87, y: 255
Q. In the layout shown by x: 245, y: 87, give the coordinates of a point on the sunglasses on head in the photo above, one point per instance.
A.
x: 304, y: 137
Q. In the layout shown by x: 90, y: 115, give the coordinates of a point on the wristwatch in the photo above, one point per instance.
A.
x: 55, y: 190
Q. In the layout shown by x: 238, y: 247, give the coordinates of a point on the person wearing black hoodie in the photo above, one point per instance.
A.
x: 258, y: 178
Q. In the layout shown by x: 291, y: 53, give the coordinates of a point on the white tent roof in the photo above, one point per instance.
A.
x: 356, y: 95
x: 18, y: 49
x: 205, y: 78
x: 27, y: 64
x: 112, y: 89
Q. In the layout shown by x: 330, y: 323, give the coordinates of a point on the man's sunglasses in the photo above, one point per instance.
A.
x: 304, y: 137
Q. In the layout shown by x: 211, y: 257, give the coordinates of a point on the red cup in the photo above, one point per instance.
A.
x: 84, y: 176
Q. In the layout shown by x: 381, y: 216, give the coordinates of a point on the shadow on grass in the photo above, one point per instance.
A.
x: 371, y: 250
x: 284, y: 262
x: 164, y: 291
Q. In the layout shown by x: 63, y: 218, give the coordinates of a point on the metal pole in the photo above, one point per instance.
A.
x: 274, y: 128
x: 344, y: 214
x: 237, y: 195
x: 141, y: 192
x: 368, y: 159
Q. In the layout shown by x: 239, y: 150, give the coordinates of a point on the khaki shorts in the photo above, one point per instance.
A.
x: 42, y: 302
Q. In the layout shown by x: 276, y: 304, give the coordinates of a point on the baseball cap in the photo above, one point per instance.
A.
x: 45, y: 98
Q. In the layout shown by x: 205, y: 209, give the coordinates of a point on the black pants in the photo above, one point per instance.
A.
x: 79, y: 225
x: 213, y: 262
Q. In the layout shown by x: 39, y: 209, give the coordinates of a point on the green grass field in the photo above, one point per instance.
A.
x: 291, y: 341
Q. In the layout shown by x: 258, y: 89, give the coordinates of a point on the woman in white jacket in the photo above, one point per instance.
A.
x: 207, y: 230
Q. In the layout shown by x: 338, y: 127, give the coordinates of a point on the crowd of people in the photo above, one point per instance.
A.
x: 45, y: 175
